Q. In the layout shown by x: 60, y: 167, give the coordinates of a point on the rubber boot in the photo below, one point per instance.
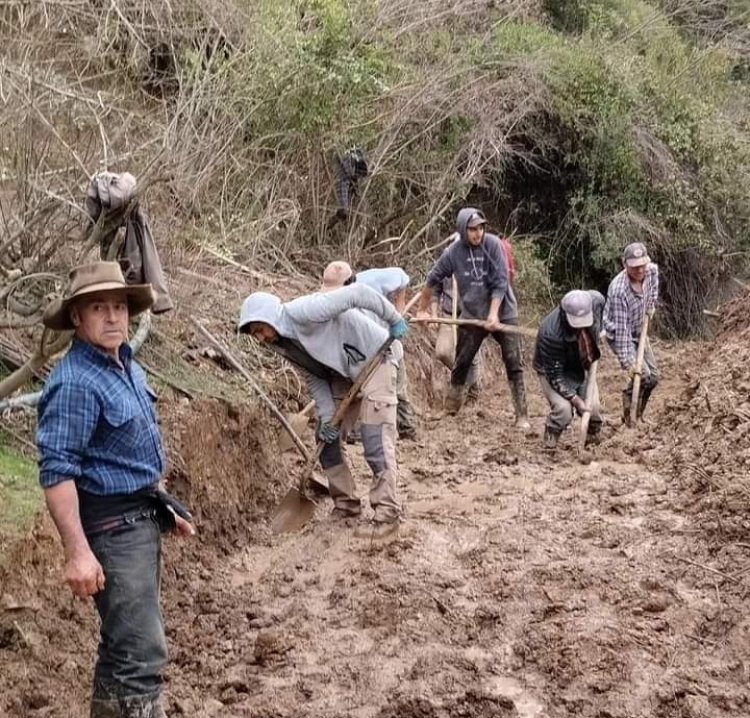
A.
x: 518, y: 392
x: 455, y: 399
x: 473, y: 392
x: 105, y: 708
x: 377, y: 530
x: 643, y: 401
x: 127, y: 707
x: 593, y: 435
x: 343, y: 491
x: 627, y: 402
x: 550, y: 438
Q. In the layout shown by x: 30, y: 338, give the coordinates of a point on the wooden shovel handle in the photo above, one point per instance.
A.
x: 508, y: 328
x: 589, y: 399
x: 642, y: 342
x: 246, y: 375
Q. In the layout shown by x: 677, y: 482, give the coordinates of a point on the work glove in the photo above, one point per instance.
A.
x: 399, y: 329
x: 651, y: 312
x: 632, y: 372
x: 327, y: 432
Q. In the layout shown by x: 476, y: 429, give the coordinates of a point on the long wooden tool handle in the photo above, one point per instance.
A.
x: 589, y: 399
x: 508, y: 328
x: 246, y: 375
x: 642, y: 342
x: 454, y: 311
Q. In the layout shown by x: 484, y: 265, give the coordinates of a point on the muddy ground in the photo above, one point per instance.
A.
x: 523, y: 582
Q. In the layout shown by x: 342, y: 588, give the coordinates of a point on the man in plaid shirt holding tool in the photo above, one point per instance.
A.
x: 633, y: 293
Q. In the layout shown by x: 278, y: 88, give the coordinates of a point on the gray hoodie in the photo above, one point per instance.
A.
x: 481, y: 273
x: 330, y: 328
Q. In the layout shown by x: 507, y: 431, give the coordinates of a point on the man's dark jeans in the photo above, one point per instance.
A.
x: 470, y: 340
x: 132, y: 647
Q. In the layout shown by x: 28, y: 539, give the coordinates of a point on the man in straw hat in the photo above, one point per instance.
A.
x: 390, y: 282
x: 101, y: 459
x: 567, y: 345
x: 632, y: 294
x: 330, y: 339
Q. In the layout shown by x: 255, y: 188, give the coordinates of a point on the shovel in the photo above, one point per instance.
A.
x: 642, y: 343
x: 591, y: 396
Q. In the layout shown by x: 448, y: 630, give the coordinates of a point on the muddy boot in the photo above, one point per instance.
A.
x: 377, y: 530
x: 455, y: 399
x: 127, y: 707
x: 518, y: 392
x: 593, y: 435
x: 550, y: 438
x: 343, y: 490
x: 105, y: 708
x: 472, y: 394
x: 643, y: 401
x: 406, y: 421
x: 627, y: 401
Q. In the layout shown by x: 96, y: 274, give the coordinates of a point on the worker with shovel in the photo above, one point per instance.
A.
x: 631, y: 299
x: 478, y: 262
x: 390, y: 282
x: 100, y: 461
x: 331, y: 339
x: 567, y: 346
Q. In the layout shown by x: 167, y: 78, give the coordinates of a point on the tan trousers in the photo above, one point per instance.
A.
x: 376, y: 411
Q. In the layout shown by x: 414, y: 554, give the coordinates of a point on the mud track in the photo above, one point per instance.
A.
x: 522, y: 583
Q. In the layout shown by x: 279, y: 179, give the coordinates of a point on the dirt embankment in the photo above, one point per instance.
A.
x: 523, y: 583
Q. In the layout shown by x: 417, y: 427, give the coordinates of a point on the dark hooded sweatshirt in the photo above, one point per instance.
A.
x: 481, y: 273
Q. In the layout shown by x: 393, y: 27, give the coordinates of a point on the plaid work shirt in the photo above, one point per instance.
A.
x: 98, y: 425
x: 624, y: 311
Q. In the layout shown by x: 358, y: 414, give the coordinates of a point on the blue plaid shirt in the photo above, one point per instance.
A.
x: 97, y: 424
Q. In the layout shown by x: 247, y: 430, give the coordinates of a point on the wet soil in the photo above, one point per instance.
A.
x: 522, y: 583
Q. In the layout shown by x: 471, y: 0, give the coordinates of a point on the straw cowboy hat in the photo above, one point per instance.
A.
x: 336, y: 275
x: 96, y: 277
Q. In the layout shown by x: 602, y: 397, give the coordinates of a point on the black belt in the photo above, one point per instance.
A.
x: 117, y: 522
x: 163, y: 509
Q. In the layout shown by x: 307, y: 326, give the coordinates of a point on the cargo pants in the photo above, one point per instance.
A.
x: 376, y: 409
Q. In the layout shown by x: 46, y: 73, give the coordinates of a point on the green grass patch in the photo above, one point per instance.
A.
x: 20, y: 493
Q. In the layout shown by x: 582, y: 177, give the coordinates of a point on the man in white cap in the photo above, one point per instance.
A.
x: 100, y: 461
x: 390, y: 282
x: 567, y: 345
x: 632, y: 294
x: 330, y: 338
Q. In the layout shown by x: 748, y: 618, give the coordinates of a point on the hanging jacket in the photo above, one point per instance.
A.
x: 139, y: 258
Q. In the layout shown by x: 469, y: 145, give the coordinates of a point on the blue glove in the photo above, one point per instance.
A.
x: 327, y: 432
x: 399, y: 329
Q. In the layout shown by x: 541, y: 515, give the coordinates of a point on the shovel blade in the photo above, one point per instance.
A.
x: 294, y: 511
